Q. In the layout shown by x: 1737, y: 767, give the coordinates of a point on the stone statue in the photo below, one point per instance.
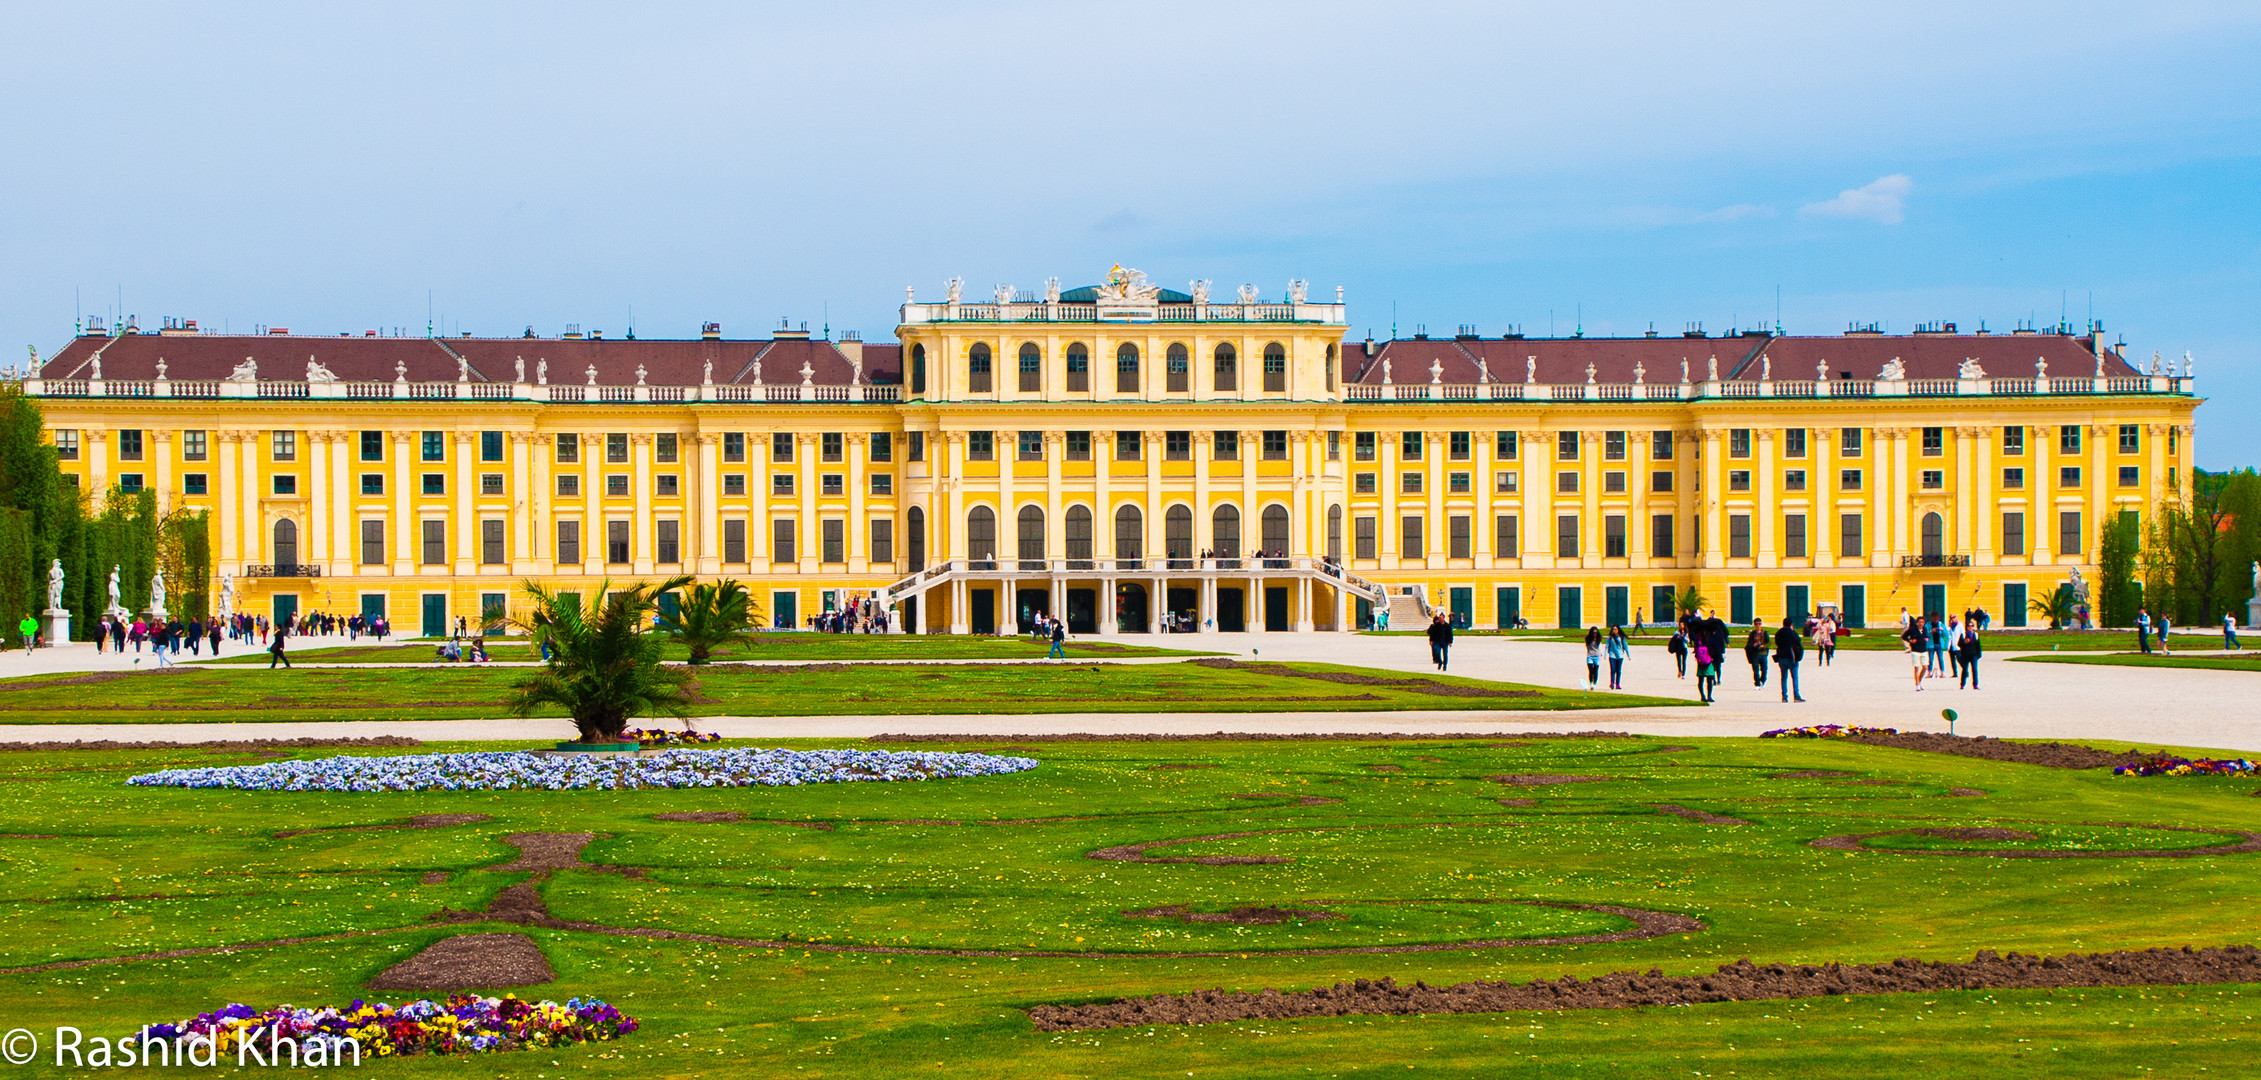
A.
x: 1640, y: 372
x: 1530, y: 369
x: 542, y: 371
x: 706, y: 374
x: 2186, y: 366
x: 1892, y: 371
x: 157, y: 595
x: 1004, y: 295
x: 55, y: 585
x: 518, y: 370
x: 592, y: 374
x: 462, y: 369
x: 117, y: 609
x: 1051, y: 290
x: 910, y: 294
x: 1483, y: 370
x: 1385, y: 371
x: 2155, y: 361
x: 808, y: 374
x: 1821, y: 371
x: 955, y: 287
x: 1766, y: 368
x: 160, y: 369
x: 1200, y: 288
x: 1683, y: 371
x: 96, y: 372
x: 227, y: 595
x: 316, y: 373
x: 1247, y: 294
x: 856, y: 371
x: 400, y: 371
x: 1970, y: 369
x: 639, y: 374
x: 1713, y: 370
x: 2041, y: 367
x: 1297, y: 290
x: 2099, y: 363
x: 1436, y: 372
x: 248, y: 371
x: 2257, y: 581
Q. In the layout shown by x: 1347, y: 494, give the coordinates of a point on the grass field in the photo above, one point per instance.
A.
x: 768, y: 647
x: 1416, y: 850
x: 2212, y: 663
x: 469, y: 692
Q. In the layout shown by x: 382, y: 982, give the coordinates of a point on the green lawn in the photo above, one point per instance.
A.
x: 767, y: 647
x: 216, y: 695
x: 1417, y: 853
x: 2216, y: 663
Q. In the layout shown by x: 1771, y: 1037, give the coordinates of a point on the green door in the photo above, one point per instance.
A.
x: 984, y: 611
x: 1797, y: 602
x: 1509, y: 607
x: 1855, y: 606
x: 1462, y: 601
x: 1570, y: 607
x: 1617, y: 605
x: 1232, y: 612
x: 1935, y: 601
x: 435, y: 615
x: 1276, y: 609
x: 372, y: 608
x: 1742, y: 604
x: 2013, y: 603
x: 1662, y: 601
x: 787, y: 609
x: 286, y: 608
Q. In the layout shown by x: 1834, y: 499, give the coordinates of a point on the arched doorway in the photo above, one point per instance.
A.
x: 1934, y: 535
x: 286, y: 547
x: 1224, y: 531
x: 1126, y: 369
x: 981, y: 538
x: 977, y: 369
x: 1130, y: 539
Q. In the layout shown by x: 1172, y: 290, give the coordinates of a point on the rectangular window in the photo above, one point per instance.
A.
x: 1410, y: 540
x: 1660, y: 446
x: 1362, y: 446
x: 1794, y: 480
x: 1739, y: 442
x: 834, y: 533
x: 781, y: 541
x: 1504, y: 483
x: 194, y: 446
x: 1410, y: 483
x: 372, y: 446
x: 1566, y: 536
x: 1794, y: 536
x: 1566, y: 446
x: 1660, y: 481
x: 2013, y: 479
x: 435, y: 543
x: 1738, y: 479
x: 1032, y: 446
x: 1459, y: 446
x: 981, y: 446
x: 372, y: 542
x: 1275, y: 371
x: 616, y: 448
x: 831, y: 446
x: 1362, y: 538
x: 1566, y: 482
x: 1849, y: 543
x: 666, y: 447
x: 67, y: 444
x: 1849, y: 442
x: 434, y: 445
x: 1409, y: 445
x: 435, y: 483
x: 882, y: 540
x: 1227, y: 445
x: 616, y: 485
x: 1275, y: 446
x: 129, y: 444
x: 2013, y: 441
x: 490, y: 483
x: 781, y: 446
x: 2068, y: 476
x: 129, y: 483
x: 667, y: 541
x: 1849, y: 479
x: 2068, y: 439
x: 1458, y: 539
x: 2131, y: 438
x: 1613, y: 536
x: 617, y: 541
x: 1334, y: 446
x: 2131, y: 476
x: 372, y: 483
x: 1506, y: 444
x: 490, y: 542
x: 1933, y: 479
x: 883, y: 483
x: 1739, y: 536
x: 1459, y: 483
x: 569, y: 541
x: 1613, y: 446
x: 1934, y: 441
x: 1127, y: 445
x: 1794, y: 442
x: 832, y: 484
x: 1078, y: 446
x: 734, y: 540
x: 568, y: 448
x: 1031, y: 371
x: 286, y: 446
x: 490, y: 446
x: 1362, y: 483
x: 734, y: 447
x: 2068, y: 532
x: 2013, y: 532
x: 194, y: 484
x: 1613, y: 483
x: 1660, y: 536
x: 1504, y: 537
x: 569, y: 486
x: 781, y: 484
x: 1177, y: 446
x: 918, y: 446
x: 667, y: 485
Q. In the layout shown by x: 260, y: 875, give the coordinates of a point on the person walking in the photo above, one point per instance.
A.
x: 2229, y: 630
x: 1754, y: 650
x: 1825, y: 640
x: 2163, y: 649
x: 275, y: 650
x: 1789, y: 648
x: 1955, y: 644
x: 1617, y: 649
x: 1593, y: 657
x: 30, y: 630
x: 1936, y: 639
x: 1912, y: 643
x: 1970, y: 649
x: 1059, y: 640
x: 1440, y: 641
x: 1678, y: 647
x: 2143, y: 628
x: 117, y: 635
x: 212, y: 635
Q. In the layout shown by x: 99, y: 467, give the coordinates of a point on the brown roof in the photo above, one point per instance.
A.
x: 1859, y: 356
x: 379, y: 359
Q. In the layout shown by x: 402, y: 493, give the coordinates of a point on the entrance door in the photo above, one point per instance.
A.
x: 785, y: 609
x: 910, y: 615
x: 1364, y: 613
x: 2013, y: 603
x: 1797, y: 603
x: 1461, y: 600
x: 1617, y: 603
x: 286, y: 608
x: 1179, y: 604
x: 372, y: 608
x: 1662, y: 601
x: 1275, y: 608
x: 1854, y: 607
x: 1507, y: 604
x: 984, y: 611
x: 435, y: 615
x: 1935, y: 601
x: 1570, y: 608
x: 1742, y: 604
x: 1082, y: 619
x: 1232, y: 613
x: 1130, y: 609
x: 1032, y: 603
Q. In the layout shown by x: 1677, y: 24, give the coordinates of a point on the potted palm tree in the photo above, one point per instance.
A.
x: 708, y: 617
x: 2058, y: 605
x: 602, y: 668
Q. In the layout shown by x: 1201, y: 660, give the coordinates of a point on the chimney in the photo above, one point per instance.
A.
x: 710, y: 331
x: 852, y: 348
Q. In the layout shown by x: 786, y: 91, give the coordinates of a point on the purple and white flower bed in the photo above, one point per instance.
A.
x: 514, y: 771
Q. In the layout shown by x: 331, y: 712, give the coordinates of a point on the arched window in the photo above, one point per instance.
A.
x: 977, y: 369
x: 1334, y: 532
x: 1032, y: 368
x: 1934, y: 535
x: 1130, y: 537
x: 1275, y: 368
x: 1228, y: 370
x: 1330, y: 369
x: 1079, y: 369
x: 1224, y: 532
x: 1275, y: 531
x: 286, y: 543
x: 918, y: 369
x: 914, y: 534
x: 1030, y: 527
x: 1079, y: 537
x: 1177, y: 536
x: 981, y: 538
x: 1126, y: 369
x: 1177, y: 370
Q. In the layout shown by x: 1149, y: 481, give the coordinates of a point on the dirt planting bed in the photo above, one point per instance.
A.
x: 1808, y: 774
x: 470, y: 962
x: 1413, y: 683
x: 2247, y: 842
x: 711, y: 817
x: 1252, y: 736
x: 420, y: 821
x: 1740, y: 981
x: 1239, y: 916
x: 1300, y: 800
x: 1704, y: 816
x: 2052, y: 754
x: 1543, y: 779
x: 1136, y: 853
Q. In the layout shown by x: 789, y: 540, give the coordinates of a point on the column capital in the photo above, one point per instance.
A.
x: 1205, y: 437
x: 641, y: 438
x: 399, y: 438
x: 161, y: 435
x: 805, y: 438
x: 466, y: 438
x: 100, y: 435
x: 952, y: 438
x: 2156, y: 430
x: 859, y: 438
x: 1153, y: 438
x: 1107, y: 437
x: 1055, y: 438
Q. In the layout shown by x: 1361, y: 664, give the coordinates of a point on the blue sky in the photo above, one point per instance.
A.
x: 328, y: 167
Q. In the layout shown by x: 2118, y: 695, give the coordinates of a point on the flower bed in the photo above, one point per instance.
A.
x: 512, y: 771
x: 657, y: 738
x: 1826, y: 731
x: 2175, y: 766
x: 460, y: 1025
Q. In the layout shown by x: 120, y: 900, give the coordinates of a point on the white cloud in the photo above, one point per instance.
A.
x: 1882, y: 200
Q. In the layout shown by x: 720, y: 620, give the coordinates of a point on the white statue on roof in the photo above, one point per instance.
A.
x: 1530, y: 369
x: 1297, y: 290
x: 462, y: 369
x: 1436, y: 371
x: 592, y: 374
x: 1821, y: 371
x: 1247, y: 294
x: 2100, y: 363
x: 316, y: 373
x: 2041, y: 368
x: 96, y: 367
x: 1893, y: 371
x: 808, y: 374
x: 954, y: 288
x: 855, y: 371
x: 2186, y: 366
x: 248, y: 371
x: 1589, y: 373
x: 1004, y: 295
x: 706, y: 374
x: 2155, y: 361
x: 1126, y: 286
x: 639, y: 374
x: 1640, y: 372
x: 1683, y: 371
x: 1713, y: 369
x: 1200, y: 288
x: 1766, y: 368
x: 1385, y: 371
x: 518, y: 369
x: 542, y: 370
x: 1483, y: 370
x: 160, y: 369
x: 1970, y: 369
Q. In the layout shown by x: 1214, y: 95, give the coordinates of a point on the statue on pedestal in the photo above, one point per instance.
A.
x: 55, y: 586
x: 157, y: 595
x: 117, y: 610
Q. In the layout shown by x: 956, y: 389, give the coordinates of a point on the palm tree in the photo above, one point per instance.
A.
x: 2058, y: 606
x: 708, y: 617
x: 1689, y: 601
x: 602, y: 668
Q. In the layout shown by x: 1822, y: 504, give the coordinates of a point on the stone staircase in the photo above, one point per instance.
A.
x: 1408, y: 612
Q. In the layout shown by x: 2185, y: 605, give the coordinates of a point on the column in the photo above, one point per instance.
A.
x: 1303, y: 620
x: 466, y: 514
x: 1715, y: 547
x: 231, y: 556
x: 757, y: 499
x: 1979, y: 492
x: 318, y: 518
x: 1156, y: 591
x: 1103, y: 513
x: 2041, y: 509
x: 1386, y: 530
x: 1202, y: 538
x: 1537, y: 526
x: 594, y: 542
x: 2155, y: 489
x: 956, y: 531
x: 345, y: 535
x: 1687, y: 502
x: 958, y: 605
x: 812, y: 534
x: 1900, y: 509
x: 1151, y: 515
x: 1055, y: 510
x: 640, y: 455
x: 1590, y: 509
x: 161, y: 455
x: 98, y: 466
x: 1251, y: 510
x: 1637, y: 468
x: 247, y: 455
x: 540, y: 553
x: 1433, y: 469
x: 1766, y: 516
x: 708, y: 492
x: 1824, y: 486
x: 857, y: 485
x: 1008, y: 614
x: 404, y: 510
x: 2099, y: 487
x: 522, y: 503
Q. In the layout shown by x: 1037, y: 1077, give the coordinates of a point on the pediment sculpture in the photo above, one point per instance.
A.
x: 248, y: 371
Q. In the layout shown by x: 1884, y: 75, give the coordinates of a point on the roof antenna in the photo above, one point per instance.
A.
x: 427, y: 313
x: 1778, y: 309
x: 828, y: 320
x: 1393, y: 320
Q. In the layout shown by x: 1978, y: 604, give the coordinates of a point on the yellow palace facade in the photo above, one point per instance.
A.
x: 1137, y: 460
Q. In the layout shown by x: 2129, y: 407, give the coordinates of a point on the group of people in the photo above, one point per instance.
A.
x: 1939, y: 646
x: 1044, y: 628
x: 859, y: 617
x: 164, y: 639
x: 1706, y: 639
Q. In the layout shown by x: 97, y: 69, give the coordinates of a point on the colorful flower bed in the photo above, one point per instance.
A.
x: 1826, y: 731
x: 509, y: 771
x: 2175, y: 766
x: 657, y: 738
x: 460, y: 1025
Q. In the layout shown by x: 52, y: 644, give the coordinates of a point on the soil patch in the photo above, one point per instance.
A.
x: 1963, y: 792
x: 1863, y: 783
x: 1239, y: 916
x: 228, y: 744
x: 435, y: 877
x: 1517, y: 802
x: 1415, y: 684
x: 420, y: 821
x: 707, y: 816
x: 1740, y: 981
x: 87, y: 679
x: 1668, y: 750
x: 2052, y: 754
x: 1977, y: 834
x: 820, y: 826
x: 1808, y: 774
x: 1699, y: 815
x: 1175, y: 765
x: 470, y: 961
x: 921, y: 821
x: 1137, y: 852
x: 1543, y: 779
x: 1300, y: 800
x: 1252, y: 736
x: 1387, y: 768
x: 2247, y: 842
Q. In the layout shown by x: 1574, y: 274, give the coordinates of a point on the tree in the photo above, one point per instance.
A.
x: 708, y: 617
x: 602, y: 668
x: 2118, y: 594
x: 184, y: 550
x: 2058, y: 606
x: 42, y: 519
x: 1689, y: 601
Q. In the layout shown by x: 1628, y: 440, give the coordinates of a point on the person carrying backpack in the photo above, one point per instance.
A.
x: 1059, y: 640
x: 1969, y: 649
x: 275, y: 650
x: 1789, y: 648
